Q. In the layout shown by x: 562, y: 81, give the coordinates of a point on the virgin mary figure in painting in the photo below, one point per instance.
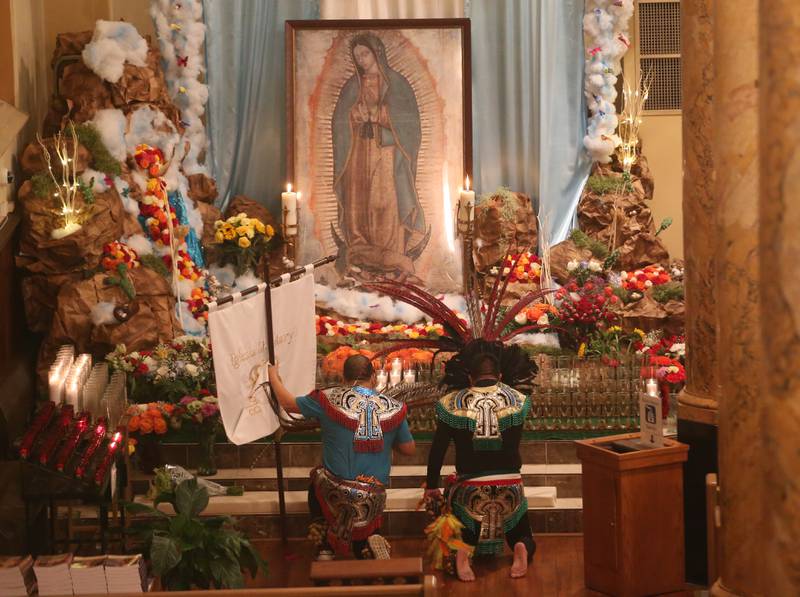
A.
x: 376, y: 138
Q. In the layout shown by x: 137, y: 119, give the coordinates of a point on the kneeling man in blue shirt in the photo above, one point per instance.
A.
x: 360, y: 427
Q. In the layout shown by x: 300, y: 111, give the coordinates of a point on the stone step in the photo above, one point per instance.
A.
x: 266, y: 502
x: 309, y: 454
x: 565, y: 477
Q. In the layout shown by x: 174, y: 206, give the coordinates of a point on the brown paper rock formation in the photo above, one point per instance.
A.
x: 202, y: 188
x: 648, y: 314
x: 614, y: 211
x: 153, y: 319
x: 561, y: 254
x: 502, y: 220
x: 80, y: 93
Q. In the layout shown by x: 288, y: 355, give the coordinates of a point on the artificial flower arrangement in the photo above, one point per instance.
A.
x: 582, y: 310
x: 665, y: 359
x: 539, y: 313
x: 642, y: 279
x: 521, y: 267
x: 167, y: 373
x: 582, y: 271
x: 242, y: 241
x: 328, y: 326
x: 611, y: 344
x: 116, y: 253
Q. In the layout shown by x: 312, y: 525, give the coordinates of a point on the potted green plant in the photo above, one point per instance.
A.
x: 186, y: 550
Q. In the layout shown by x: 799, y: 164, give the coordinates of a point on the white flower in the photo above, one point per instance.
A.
x: 648, y: 283
x: 679, y: 349
x: 572, y: 266
x: 191, y: 370
x: 150, y: 362
x: 134, y: 356
x: 162, y: 371
x: 521, y: 318
x: 506, y: 271
x: 595, y: 265
x: 543, y: 320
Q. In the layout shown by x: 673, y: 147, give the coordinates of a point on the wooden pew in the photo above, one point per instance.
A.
x: 360, y: 572
x: 429, y: 587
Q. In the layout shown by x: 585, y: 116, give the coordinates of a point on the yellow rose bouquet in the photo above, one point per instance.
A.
x: 242, y: 241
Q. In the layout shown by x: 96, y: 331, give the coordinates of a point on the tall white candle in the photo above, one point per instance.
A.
x: 467, y: 203
x: 651, y: 387
x: 289, y: 206
x: 409, y: 376
x: 394, y: 378
x: 381, y: 379
x: 397, y: 366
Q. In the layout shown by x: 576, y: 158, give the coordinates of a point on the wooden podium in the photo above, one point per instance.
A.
x: 632, y: 517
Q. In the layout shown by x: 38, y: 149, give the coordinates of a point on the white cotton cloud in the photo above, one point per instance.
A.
x: 113, y: 44
x: 152, y: 127
x: 538, y: 339
x: 123, y: 189
x: 110, y: 124
x: 95, y: 180
x: 247, y: 280
x: 191, y: 325
x: 358, y: 304
x: 139, y: 243
x: 103, y: 313
x: 224, y: 275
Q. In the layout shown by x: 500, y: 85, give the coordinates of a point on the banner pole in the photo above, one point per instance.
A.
x: 277, y: 435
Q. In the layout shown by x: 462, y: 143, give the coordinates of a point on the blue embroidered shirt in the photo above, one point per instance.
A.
x: 338, y: 454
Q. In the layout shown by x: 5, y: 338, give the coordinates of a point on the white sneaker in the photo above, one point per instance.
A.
x: 380, y: 548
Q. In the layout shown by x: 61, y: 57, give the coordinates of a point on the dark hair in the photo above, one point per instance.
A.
x: 357, y: 368
x: 484, y: 364
x: 515, y: 366
x: 371, y: 41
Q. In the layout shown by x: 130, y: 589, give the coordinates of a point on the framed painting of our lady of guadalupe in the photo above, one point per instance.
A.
x: 379, y: 137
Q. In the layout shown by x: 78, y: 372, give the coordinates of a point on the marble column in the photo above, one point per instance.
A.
x: 779, y: 202
x: 739, y: 351
x: 697, y: 39
x: 697, y: 404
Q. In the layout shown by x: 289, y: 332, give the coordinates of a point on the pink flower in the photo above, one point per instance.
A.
x: 209, y: 410
x: 187, y: 399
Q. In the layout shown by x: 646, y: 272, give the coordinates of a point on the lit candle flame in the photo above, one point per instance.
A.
x: 466, y: 183
x: 289, y: 187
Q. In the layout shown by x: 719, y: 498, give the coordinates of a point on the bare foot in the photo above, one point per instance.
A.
x: 520, y: 564
x: 463, y: 568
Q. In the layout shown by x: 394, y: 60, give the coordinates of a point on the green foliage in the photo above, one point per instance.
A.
x: 86, y: 191
x: 43, y: 185
x: 603, y: 185
x: 102, y: 160
x: 665, y: 223
x: 583, y: 241
x: 189, y: 551
x: 623, y: 294
x: 123, y: 281
x: 668, y: 292
x: 155, y: 263
x: 611, y: 344
x: 611, y: 260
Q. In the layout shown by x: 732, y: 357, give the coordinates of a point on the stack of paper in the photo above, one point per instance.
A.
x: 125, y: 574
x: 88, y: 575
x: 16, y: 576
x: 52, y: 574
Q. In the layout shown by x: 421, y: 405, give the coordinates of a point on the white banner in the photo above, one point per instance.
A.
x: 295, y: 334
x: 238, y: 334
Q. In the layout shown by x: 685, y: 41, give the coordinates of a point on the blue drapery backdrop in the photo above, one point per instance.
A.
x: 529, y: 114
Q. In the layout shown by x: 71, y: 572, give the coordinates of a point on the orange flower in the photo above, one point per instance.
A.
x: 133, y: 424
x: 168, y: 407
x: 145, y: 424
x: 160, y: 426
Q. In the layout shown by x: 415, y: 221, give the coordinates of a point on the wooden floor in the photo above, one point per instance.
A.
x: 556, y: 571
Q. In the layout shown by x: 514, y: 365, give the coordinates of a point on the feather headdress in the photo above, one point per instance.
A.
x: 488, y: 328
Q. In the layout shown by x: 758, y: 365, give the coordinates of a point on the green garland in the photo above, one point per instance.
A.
x: 154, y: 263
x: 42, y: 185
x: 668, y: 292
x: 102, y: 160
x: 583, y: 241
